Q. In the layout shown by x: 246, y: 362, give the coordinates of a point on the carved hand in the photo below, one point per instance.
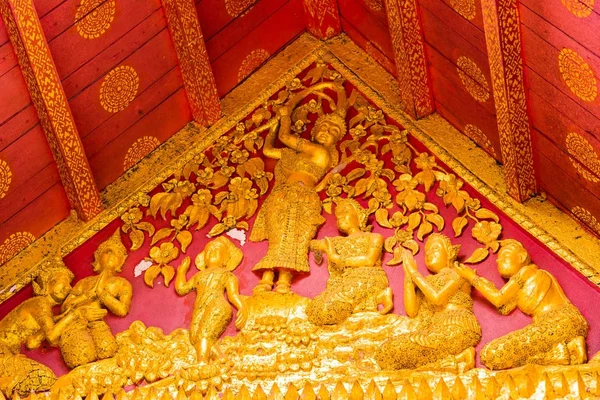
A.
x: 464, y: 271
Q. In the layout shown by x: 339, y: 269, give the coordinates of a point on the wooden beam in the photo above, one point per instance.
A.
x: 322, y: 18
x: 48, y: 96
x: 198, y: 77
x: 409, y: 51
x: 503, y: 38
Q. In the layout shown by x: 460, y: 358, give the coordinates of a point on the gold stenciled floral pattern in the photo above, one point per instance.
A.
x: 579, y: 8
x: 119, y: 88
x: 5, y: 178
x: 251, y: 62
x: 466, y: 8
x: 375, y: 5
x: 94, y: 17
x: 473, y: 79
x: 477, y: 135
x: 14, y: 244
x: 586, y: 217
x: 236, y: 7
x: 583, y: 152
x: 577, y: 75
x: 140, y: 149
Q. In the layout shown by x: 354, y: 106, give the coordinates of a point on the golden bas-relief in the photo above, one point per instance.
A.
x: 334, y: 154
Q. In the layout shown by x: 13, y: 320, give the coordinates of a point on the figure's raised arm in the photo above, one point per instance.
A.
x: 411, y: 300
x: 436, y: 296
x: 117, y: 297
x: 182, y: 285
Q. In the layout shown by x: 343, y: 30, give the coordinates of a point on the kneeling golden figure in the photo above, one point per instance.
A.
x: 357, y: 283
x: 558, y: 331
x: 90, y: 339
x: 447, y: 329
x: 212, y: 313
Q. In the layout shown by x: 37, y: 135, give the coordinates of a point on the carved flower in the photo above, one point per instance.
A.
x: 486, y: 232
x: 358, y: 132
x: 401, y: 159
x: 408, y: 196
x: 227, y: 170
x: 133, y: 216
x: 180, y: 222
x: 206, y: 175
x: 184, y: 188
x: 336, y: 185
x: 449, y: 184
x: 398, y: 219
x: 424, y: 161
x: 383, y: 196
x: 313, y: 106
x: 403, y: 236
x: 202, y: 198
x: 294, y: 84
x: 164, y: 254
x: 398, y: 137
x: 239, y: 156
x: 374, y: 115
x: 229, y: 222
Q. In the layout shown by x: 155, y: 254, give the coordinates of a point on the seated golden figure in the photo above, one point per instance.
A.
x: 31, y: 323
x: 212, y: 313
x: 447, y: 329
x: 357, y: 283
x: 88, y: 340
x: 290, y: 216
x: 558, y: 331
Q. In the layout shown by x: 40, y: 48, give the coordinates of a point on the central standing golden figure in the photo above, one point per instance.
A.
x: 290, y: 216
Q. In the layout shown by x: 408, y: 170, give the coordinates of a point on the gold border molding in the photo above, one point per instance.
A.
x: 560, y: 233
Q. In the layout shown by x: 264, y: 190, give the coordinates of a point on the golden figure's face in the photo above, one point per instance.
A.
x: 328, y: 133
x: 347, y: 218
x: 215, y: 255
x: 60, y: 287
x: 110, y: 260
x: 436, y: 254
x: 510, y: 260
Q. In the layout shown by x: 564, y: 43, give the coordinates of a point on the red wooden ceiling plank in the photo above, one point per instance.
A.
x: 322, y: 18
x: 215, y: 15
x: 51, y: 103
x: 17, y: 126
x: 14, y: 96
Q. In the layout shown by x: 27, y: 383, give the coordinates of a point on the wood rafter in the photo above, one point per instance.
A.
x: 198, y: 77
x: 44, y: 85
x: 409, y: 52
x: 322, y: 18
x: 503, y: 37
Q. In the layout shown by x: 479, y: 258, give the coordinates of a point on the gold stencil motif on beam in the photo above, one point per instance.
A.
x: 251, y: 62
x: 583, y: 152
x: 577, y: 75
x: 466, y: 8
x: 374, y: 5
x: 587, y: 218
x: 477, y: 135
x: 140, y: 149
x: 119, y: 88
x: 579, y: 8
x: 94, y: 17
x: 473, y: 79
x: 5, y: 178
x: 14, y: 244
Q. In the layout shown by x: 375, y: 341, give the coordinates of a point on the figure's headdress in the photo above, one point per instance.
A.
x: 114, y: 243
x: 363, y: 214
x: 451, y: 249
x: 52, y: 268
x: 233, y: 252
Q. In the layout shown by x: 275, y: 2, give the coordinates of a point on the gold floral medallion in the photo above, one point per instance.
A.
x: 582, y: 152
x: 236, y: 7
x: 140, y: 149
x: 473, y: 79
x: 579, y: 8
x: 374, y: 5
x: 251, y: 62
x: 119, y: 88
x: 94, y: 17
x: 14, y: 244
x: 5, y: 178
x: 466, y: 8
x: 578, y: 75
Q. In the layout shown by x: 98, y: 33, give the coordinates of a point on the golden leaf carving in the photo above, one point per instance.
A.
x: 151, y: 274
x: 436, y: 220
x: 484, y: 213
x: 458, y: 225
x: 161, y: 234
x: 168, y: 274
x: 478, y: 256
x: 425, y: 229
x: 381, y: 216
x: 137, y: 239
x: 413, y: 221
x: 184, y: 238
